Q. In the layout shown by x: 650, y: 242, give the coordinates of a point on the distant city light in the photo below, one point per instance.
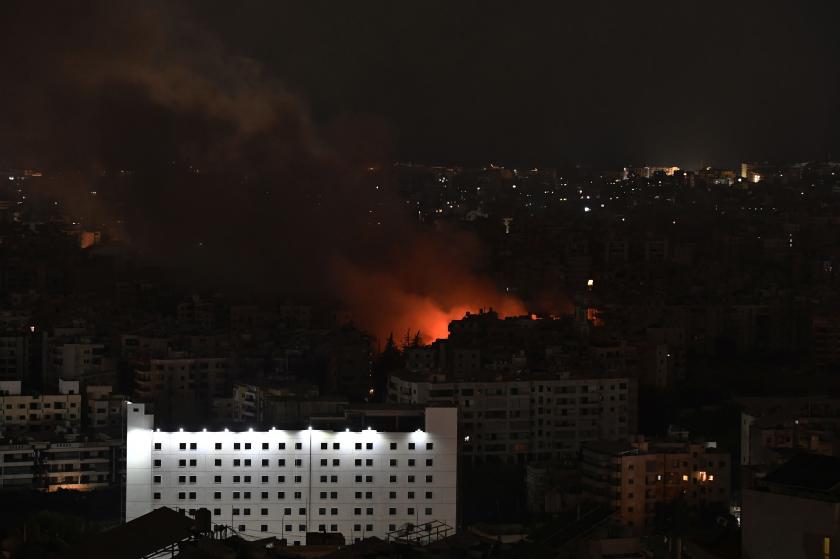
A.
x: 587, y: 209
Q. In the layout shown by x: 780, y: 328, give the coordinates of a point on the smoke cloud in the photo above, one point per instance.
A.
x: 223, y: 176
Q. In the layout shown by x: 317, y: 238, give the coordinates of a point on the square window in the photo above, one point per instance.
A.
x: 336, y: 462
x: 182, y: 463
x: 263, y: 479
x: 410, y: 479
x: 264, y: 528
x: 236, y: 462
x: 297, y: 479
x: 247, y: 479
x: 429, y: 462
x: 368, y: 494
x: 298, y: 462
x: 237, y: 479
x: 323, y: 461
x: 430, y: 446
x: 429, y: 479
x: 281, y: 479
x: 218, y: 446
x: 156, y: 495
x: 217, y: 494
x: 324, y: 446
x: 247, y: 495
x: 297, y: 496
x: 193, y: 463
x: 369, y: 511
x: 358, y: 479
x: 336, y: 446
x: 393, y: 462
x: 281, y: 462
x: 393, y: 479
x: 369, y: 527
x: 302, y: 511
x: 368, y: 462
x: 298, y: 446
x: 393, y: 446
x: 265, y: 462
x: 192, y: 479
x: 264, y: 495
x: 236, y: 494
x: 428, y: 494
x: 217, y: 512
x: 264, y: 512
x: 157, y: 479
x: 368, y: 479
x: 358, y: 462
x: 236, y: 446
x: 217, y: 462
x: 235, y: 512
x: 281, y: 446
x: 282, y: 495
x: 333, y: 479
x: 392, y: 511
x: 411, y: 462
x: 246, y: 512
x: 265, y: 446
x: 247, y: 461
x: 410, y: 511
x: 217, y: 479
x: 182, y: 495
x: 182, y: 446
x: 410, y: 446
x: 333, y: 494
x: 411, y: 494
x: 392, y: 494
x: 247, y: 446
x: 157, y: 446
x: 193, y: 446
x: 369, y: 446
x: 358, y: 446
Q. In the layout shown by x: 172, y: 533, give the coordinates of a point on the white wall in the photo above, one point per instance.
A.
x: 441, y: 432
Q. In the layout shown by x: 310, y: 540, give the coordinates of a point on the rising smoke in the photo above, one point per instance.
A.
x: 227, y: 180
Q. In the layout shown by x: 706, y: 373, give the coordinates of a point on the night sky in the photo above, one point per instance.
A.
x: 607, y: 82
x: 468, y: 82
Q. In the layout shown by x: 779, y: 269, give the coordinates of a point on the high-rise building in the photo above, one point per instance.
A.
x: 358, y: 483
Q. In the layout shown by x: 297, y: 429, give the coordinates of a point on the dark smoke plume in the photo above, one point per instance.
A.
x: 227, y: 179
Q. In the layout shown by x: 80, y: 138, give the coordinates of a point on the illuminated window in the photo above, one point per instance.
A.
x: 826, y: 547
x: 685, y: 477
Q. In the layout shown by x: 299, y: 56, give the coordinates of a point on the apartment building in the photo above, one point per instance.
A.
x: 520, y: 419
x: 50, y: 466
x: 635, y: 478
x: 359, y: 483
x: 34, y: 413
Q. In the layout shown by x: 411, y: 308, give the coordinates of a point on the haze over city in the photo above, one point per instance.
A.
x: 446, y: 278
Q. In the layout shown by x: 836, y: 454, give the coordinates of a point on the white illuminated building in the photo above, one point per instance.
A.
x: 287, y: 483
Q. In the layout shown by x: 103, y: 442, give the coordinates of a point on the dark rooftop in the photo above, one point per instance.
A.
x: 813, y: 472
